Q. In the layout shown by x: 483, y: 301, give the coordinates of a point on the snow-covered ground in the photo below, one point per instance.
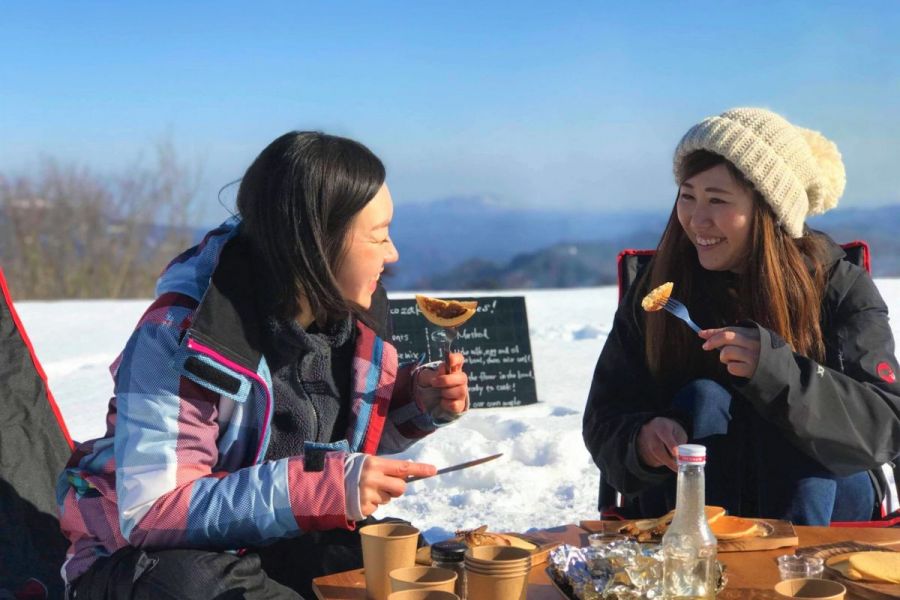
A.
x: 545, y: 476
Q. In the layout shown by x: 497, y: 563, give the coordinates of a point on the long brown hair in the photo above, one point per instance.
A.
x: 781, y: 288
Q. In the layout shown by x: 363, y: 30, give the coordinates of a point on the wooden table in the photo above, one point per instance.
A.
x: 751, y: 575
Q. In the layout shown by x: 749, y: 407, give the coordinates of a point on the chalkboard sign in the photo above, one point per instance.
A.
x: 494, y: 342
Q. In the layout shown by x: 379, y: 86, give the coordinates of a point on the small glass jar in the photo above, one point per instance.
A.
x: 451, y: 554
x: 794, y: 566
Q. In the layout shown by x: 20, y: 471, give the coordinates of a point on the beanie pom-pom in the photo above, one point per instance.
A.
x: 828, y: 185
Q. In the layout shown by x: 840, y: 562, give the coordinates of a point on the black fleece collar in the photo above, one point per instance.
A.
x: 228, y: 319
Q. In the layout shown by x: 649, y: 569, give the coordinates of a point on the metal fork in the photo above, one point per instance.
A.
x: 445, y: 336
x: 680, y: 310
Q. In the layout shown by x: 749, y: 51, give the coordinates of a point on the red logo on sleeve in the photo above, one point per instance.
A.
x: 885, y: 371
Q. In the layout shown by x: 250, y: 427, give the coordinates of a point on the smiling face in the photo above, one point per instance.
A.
x: 369, y: 249
x: 716, y: 213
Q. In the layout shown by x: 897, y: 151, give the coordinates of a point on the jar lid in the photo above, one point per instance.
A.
x: 691, y: 453
x: 448, y: 551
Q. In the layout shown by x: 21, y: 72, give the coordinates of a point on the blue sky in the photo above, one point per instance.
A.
x: 570, y: 104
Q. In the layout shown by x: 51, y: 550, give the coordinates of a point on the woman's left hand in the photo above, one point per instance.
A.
x: 444, y: 391
x: 738, y: 348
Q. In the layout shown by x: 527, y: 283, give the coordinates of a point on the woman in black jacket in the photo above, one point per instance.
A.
x: 792, y: 383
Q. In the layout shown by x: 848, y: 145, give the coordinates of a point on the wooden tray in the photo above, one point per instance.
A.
x: 539, y: 555
x: 777, y: 534
x: 869, y: 591
x: 726, y: 594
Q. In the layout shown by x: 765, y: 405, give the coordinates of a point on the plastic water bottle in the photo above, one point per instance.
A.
x: 689, y: 547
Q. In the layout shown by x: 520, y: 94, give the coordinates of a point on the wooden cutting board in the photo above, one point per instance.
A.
x: 775, y: 534
x: 539, y: 555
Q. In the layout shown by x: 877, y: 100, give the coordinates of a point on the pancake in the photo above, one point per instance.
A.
x: 446, y: 313
x: 713, y: 513
x: 648, y: 529
x: 732, y: 528
x: 875, y: 566
x: 841, y: 564
x: 657, y: 297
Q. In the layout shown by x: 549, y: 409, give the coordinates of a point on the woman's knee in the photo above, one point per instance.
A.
x: 819, y: 500
x: 854, y: 498
x: 706, y: 405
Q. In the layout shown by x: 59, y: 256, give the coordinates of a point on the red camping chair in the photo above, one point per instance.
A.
x: 613, y: 505
x: 35, y: 446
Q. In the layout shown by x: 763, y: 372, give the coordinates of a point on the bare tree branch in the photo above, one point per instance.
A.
x: 67, y: 232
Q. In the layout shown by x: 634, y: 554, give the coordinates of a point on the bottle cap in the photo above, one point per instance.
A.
x: 448, y: 551
x: 691, y: 453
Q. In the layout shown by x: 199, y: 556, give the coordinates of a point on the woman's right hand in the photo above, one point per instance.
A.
x: 657, y: 442
x: 385, y: 478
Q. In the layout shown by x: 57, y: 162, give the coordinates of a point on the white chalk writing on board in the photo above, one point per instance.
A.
x: 494, y: 343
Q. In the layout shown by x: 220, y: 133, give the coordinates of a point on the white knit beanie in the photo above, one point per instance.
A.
x: 798, y: 171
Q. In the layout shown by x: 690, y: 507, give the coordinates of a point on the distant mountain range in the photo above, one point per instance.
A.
x: 448, y: 237
x: 472, y: 243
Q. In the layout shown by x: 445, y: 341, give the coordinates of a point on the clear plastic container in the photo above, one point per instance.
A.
x: 793, y: 566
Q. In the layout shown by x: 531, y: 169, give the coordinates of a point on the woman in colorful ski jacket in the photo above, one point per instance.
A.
x: 254, y: 395
x: 791, y: 383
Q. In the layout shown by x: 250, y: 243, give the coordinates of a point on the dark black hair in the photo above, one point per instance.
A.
x: 297, y: 202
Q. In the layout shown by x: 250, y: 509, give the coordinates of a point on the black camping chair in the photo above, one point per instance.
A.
x: 34, y: 446
x: 612, y: 505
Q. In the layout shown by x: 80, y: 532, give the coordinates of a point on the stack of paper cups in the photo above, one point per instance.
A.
x: 497, y: 572
x: 423, y: 595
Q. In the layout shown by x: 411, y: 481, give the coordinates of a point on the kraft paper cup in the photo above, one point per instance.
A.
x: 423, y: 595
x: 488, y: 570
x: 496, y: 587
x: 497, y: 554
x: 422, y: 578
x: 814, y: 589
x: 497, y: 558
x: 385, y: 547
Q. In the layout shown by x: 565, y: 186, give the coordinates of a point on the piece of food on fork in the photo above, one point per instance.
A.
x: 656, y: 299
x: 446, y: 313
x: 661, y: 298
